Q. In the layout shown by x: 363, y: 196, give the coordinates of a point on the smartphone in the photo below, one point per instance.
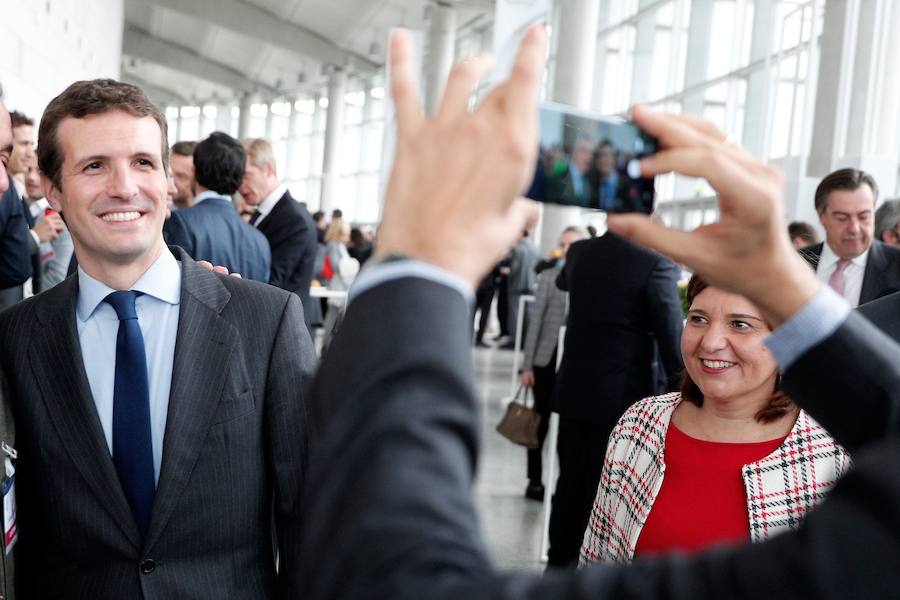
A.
x: 592, y: 162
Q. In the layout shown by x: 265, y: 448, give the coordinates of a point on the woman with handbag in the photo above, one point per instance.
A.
x: 729, y: 459
x: 539, y: 362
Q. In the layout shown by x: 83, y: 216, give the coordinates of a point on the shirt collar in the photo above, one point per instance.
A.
x: 266, y: 206
x: 162, y: 281
x: 828, y: 258
x: 208, y: 194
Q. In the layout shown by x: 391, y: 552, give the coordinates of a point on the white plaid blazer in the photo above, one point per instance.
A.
x: 781, y: 488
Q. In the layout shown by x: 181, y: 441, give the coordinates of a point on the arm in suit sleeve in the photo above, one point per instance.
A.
x: 289, y: 373
x: 15, y: 239
x: 538, y: 310
x: 388, y: 505
x: 666, y: 317
x: 176, y: 233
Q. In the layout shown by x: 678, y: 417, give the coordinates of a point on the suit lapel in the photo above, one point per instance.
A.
x: 271, y: 221
x: 204, y: 344
x: 874, y: 281
x: 55, y: 356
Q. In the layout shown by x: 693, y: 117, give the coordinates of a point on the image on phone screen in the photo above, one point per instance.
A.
x: 591, y: 162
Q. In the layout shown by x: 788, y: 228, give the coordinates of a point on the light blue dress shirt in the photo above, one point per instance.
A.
x: 208, y: 194
x: 98, y: 327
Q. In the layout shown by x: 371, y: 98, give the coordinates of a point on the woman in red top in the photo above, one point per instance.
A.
x: 730, y: 459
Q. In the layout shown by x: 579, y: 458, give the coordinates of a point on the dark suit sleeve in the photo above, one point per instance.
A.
x: 389, y: 512
x: 562, y: 280
x: 666, y: 317
x: 176, y: 233
x: 15, y: 251
x: 289, y: 373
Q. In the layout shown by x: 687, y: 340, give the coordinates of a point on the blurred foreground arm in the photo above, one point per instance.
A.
x: 388, y: 506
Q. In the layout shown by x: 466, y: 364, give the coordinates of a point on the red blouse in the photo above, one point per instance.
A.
x: 702, y: 501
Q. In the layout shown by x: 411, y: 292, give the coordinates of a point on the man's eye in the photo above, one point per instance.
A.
x: 144, y: 162
x: 92, y: 166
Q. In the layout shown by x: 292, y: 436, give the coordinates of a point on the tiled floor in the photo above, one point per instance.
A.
x: 511, y: 523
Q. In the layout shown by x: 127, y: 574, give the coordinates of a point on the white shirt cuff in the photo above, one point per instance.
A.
x: 814, y: 323
x: 389, y: 271
x: 34, y: 236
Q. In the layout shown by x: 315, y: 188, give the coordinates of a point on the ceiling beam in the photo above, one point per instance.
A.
x: 247, y: 19
x: 140, y: 44
x: 162, y: 95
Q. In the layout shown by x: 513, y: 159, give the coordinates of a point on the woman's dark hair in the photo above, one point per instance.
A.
x: 779, y: 403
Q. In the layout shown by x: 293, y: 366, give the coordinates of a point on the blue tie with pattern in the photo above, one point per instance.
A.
x: 132, y: 445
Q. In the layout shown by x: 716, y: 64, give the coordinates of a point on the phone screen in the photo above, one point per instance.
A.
x: 591, y: 162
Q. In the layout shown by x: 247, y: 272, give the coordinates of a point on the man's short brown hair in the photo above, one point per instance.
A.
x: 18, y: 119
x: 95, y: 97
x: 184, y: 148
x: 843, y: 179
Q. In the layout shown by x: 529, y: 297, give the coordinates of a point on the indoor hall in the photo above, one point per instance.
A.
x: 328, y: 425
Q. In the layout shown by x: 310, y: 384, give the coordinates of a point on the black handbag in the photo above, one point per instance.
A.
x: 520, y: 423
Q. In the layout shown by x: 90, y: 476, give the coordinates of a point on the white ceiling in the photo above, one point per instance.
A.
x: 203, y: 50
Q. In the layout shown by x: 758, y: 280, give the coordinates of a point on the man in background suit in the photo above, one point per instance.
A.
x: 285, y: 222
x: 159, y: 406
x: 15, y: 261
x: 857, y: 267
x: 211, y: 229
x: 624, y: 310
x: 396, y: 450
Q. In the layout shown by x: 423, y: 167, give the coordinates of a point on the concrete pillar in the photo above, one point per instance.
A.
x: 177, y: 133
x: 644, y: 42
x: 223, y: 118
x: 334, y: 126
x: 291, y: 145
x: 697, y: 63
x: 244, y: 117
x: 754, y: 137
x: 599, y: 78
x: 576, y: 50
x: 441, y: 50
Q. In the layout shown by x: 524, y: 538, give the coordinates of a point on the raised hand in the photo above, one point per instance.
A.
x: 747, y: 251
x: 452, y: 199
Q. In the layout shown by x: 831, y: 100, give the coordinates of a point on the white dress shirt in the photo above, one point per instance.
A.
x: 269, y: 202
x: 853, y: 274
x: 98, y: 328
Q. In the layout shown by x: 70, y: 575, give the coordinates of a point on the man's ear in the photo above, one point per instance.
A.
x: 51, y: 193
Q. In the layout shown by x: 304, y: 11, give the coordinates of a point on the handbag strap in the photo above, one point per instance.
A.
x: 522, y: 393
x: 528, y: 388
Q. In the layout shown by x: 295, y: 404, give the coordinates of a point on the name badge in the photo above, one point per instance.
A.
x: 10, y: 529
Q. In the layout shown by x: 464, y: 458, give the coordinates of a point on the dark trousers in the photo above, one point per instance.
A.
x: 503, y: 306
x: 582, y: 449
x: 544, y: 379
x: 483, y: 298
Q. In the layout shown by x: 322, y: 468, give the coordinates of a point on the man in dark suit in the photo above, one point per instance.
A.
x: 211, y: 229
x: 285, y: 222
x: 159, y: 406
x: 855, y: 265
x: 624, y: 309
x: 389, y: 506
x: 572, y: 186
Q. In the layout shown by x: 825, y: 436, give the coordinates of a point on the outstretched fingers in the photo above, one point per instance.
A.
x: 403, y: 81
x: 461, y: 84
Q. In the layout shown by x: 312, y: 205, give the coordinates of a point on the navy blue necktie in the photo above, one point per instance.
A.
x: 132, y: 445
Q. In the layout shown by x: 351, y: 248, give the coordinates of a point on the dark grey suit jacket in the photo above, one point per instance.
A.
x: 882, y: 274
x: 885, y: 314
x: 623, y: 307
x: 388, y: 501
x: 234, y: 455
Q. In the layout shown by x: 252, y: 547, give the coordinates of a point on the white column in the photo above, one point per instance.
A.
x: 644, y: 42
x: 697, y: 63
x: 576, y: 50
x: 599, y: 78
x: 441, y: 50
x: 334, y: 126
x: 753, y: 137
x: 223, y: 118
x: 832, y: 71
x: 177, y: 136
x: 872, y: 123
x: 244, y: 117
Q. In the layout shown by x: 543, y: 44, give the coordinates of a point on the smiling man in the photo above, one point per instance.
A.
x: 857, y: 267
x: 163, y: 429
